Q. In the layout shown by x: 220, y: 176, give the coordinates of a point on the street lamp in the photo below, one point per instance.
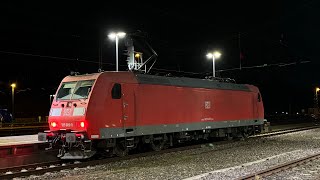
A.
x: 317, y: 90
x: 116, y: 36
x: 13, y: 85
x: 214, y: 55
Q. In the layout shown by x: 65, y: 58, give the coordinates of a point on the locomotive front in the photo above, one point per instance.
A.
x: 67, y: 118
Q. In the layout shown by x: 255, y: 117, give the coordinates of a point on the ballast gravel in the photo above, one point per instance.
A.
x: 227, y: 161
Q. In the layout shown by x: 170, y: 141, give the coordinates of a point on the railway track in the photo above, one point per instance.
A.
x: 41, y: 168
x: 285, y: 131
x: 52, y: 166
x: 281, y: 167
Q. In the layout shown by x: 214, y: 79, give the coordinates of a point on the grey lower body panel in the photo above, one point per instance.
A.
x: 171, y: 128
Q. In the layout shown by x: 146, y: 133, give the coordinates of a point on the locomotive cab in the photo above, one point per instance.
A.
x: 69, y: 106
x: 67, y: 118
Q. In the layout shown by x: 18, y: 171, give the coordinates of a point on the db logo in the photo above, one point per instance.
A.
x: 207, y: 104
x: 67, y: 112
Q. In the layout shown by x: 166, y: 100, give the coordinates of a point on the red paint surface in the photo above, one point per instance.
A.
x: 144, y: 104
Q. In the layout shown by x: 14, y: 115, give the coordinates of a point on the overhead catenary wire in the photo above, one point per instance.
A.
x: 238, y: 68
x: 156, y: 69
x: 53, y: 57
x: 159, y: 69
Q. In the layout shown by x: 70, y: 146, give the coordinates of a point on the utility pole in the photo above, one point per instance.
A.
x: 315, y: 101
x: 240, y: 54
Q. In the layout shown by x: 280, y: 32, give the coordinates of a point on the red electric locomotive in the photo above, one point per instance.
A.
x: 118, y: 111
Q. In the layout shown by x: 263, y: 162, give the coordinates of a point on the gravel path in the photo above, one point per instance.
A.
x: 180, y: 165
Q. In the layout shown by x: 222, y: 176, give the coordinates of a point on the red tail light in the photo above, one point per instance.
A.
x: 53, y: 124
x: 82, y: 124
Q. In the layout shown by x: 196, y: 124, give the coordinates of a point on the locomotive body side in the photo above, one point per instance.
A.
x: 106, y: 111
x: 152, y: 108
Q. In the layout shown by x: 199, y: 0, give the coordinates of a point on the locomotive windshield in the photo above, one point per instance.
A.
x: 75, y: 90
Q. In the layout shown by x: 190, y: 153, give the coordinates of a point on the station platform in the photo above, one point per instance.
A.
x: 24, y: 149
x: 20, y: 145
x: 18, y: 140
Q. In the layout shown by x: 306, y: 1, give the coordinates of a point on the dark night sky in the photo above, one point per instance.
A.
x: 39, y: 42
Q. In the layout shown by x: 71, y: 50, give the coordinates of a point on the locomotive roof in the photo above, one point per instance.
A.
x: 189, y: 82
x: 162, y: 80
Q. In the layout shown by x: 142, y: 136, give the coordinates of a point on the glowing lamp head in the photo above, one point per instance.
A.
x: 13, y: 85
x: 121, y: 34
x: 217, y: 54
x: 113, y: 35
x: 209, y: 55
x: 214, y: 55
x: 317, y: 89
x: 137, y: 55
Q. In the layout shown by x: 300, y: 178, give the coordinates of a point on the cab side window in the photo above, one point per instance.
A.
x: 116, y: 91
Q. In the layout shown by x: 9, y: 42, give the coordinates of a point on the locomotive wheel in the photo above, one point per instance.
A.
x: 121, y: 148
x: 228, y: 137
x: 158, y: 142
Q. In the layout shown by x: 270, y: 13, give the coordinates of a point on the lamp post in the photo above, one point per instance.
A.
x: 116, y: 36
x: 13, y: 85
x: 214, y: 55
x: 51, y: 98
x: 316, y: 97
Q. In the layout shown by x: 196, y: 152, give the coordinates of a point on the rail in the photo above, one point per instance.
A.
x: 281, y: 167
